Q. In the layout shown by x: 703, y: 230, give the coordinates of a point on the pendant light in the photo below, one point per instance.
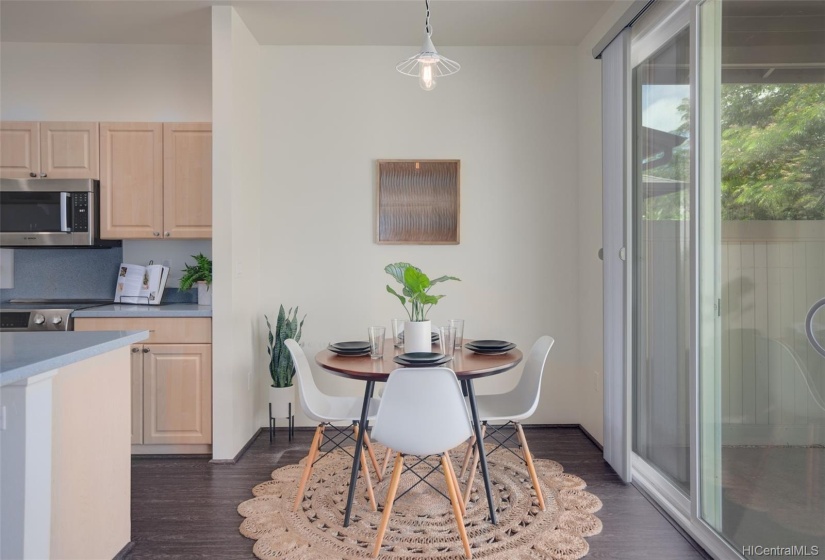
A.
x: 428, y: 65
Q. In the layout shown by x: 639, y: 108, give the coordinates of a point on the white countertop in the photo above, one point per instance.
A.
x: 163, y: 310
x: 26, y: 354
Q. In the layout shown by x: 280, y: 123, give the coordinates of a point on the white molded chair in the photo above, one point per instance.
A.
x: 512, y: 407
x: 326, y: 409
x: 422, y: 412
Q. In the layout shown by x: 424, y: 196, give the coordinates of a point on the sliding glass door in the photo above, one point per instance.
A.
x: 727, y: 262
x: 762, y: 180
x: 661, y: 254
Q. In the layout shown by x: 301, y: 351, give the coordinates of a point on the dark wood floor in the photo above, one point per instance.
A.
x: 186, y: 508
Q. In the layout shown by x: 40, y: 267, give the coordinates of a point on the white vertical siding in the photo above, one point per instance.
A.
x: 772, y: 272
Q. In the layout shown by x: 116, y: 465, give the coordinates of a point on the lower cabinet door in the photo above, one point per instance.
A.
x: 177, y: 393
x: 137, y: 394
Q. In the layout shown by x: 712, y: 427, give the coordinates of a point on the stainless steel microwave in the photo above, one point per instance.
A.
x: 51, y: 213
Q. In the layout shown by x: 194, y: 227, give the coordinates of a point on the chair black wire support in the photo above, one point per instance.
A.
x: 411, y: 469
x: 495, y: 433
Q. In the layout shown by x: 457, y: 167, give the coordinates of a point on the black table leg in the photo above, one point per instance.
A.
x: 482, y: 456
x: 359, y: 443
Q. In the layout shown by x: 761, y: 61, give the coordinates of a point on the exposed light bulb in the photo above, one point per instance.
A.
x: 426, y: 75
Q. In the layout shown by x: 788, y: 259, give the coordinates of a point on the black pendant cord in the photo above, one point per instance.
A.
x: 427, y: 28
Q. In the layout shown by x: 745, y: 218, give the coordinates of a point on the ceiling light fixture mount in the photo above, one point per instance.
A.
x: 428, y: 65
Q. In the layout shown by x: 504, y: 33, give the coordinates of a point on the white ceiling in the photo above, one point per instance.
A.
x: 304, y: 22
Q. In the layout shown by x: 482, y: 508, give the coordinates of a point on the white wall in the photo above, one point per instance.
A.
x: 590, y: 394
x: 510, y: 116
x: 94, y: 82
x: 236, y: 168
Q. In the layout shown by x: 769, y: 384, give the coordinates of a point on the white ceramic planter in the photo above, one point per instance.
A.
x: 279, y: 398
x: 204, y: 294
x: 418, y: 336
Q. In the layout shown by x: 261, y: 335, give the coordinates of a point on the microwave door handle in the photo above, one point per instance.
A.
x: 65, y: 208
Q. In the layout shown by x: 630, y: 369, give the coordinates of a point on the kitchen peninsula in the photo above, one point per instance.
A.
x: 65, y: 468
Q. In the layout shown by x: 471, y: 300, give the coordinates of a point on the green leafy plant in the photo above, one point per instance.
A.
x: 201, y: 271
x: 416, y: 287
x: 280, y: 362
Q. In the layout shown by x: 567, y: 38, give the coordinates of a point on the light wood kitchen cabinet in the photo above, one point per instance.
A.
x: 156, y: 180
x: 57, y: 150
x: 171, y: 382
x: 131, y: 180
x: 187, y: 180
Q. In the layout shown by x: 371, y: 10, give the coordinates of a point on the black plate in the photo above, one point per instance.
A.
x: 490, y: 344
x: 417, y: 357
x: 441, y: 361
x: 491, y: 351
x: 351, y: 353
x: 351, y: 346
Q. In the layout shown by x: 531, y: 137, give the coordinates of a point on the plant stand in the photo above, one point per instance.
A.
x: 290, y: 421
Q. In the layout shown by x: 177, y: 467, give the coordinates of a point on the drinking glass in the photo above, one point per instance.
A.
x: 376, y: 335
x: 397, y: 329
x: 447, y: 340
x: 459, y: 331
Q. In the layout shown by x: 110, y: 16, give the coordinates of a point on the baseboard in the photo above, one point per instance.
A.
x: 589, y: 436
x: 124, y: 551
x: 194, y: 449
x: 237, y: 457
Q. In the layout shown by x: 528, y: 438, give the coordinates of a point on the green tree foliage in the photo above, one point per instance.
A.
x: 773, y: 152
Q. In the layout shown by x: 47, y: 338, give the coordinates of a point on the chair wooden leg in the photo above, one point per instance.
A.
x: 453, y: 492
x: 472, y: 474
x: 467, y: 454
x: 386, y: 462
x: 385, y: 518
x: 379, y: 474
x: 528, y: 459
x: 313, y: 451
x: 455, y: 482
x: 365, y: 471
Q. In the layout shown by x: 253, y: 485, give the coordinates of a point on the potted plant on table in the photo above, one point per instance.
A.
x: 416, y: 285
x: 199, y: 274
x: 281, y: 369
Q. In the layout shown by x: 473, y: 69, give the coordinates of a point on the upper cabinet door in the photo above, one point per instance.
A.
x: 131, y: 180
x: 69, y: 150
x: 19, y: 150
x: 187, y: 180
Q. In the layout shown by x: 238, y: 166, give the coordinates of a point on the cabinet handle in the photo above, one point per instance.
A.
x: 145, y: 350
x: 43, y: 175
x: 135, y: 350
x: 32, y: 174
x: 156, y: 233
x: 167, y: 234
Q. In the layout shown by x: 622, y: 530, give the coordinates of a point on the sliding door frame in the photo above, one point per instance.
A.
x: 686, y: 510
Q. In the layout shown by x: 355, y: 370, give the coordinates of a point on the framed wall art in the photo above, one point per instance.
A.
x: 418, y: 202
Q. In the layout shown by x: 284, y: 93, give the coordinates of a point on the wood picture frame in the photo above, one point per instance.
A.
x: 418, y: 202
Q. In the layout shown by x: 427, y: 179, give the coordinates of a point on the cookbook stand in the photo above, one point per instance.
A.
x: 120, y: 300
x: 290, y: 422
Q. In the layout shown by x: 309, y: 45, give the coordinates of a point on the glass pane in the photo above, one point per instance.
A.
x: 30, y: 211
x: 661, y: 320
x: 763, y: 477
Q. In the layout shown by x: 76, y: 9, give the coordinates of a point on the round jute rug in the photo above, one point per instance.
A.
x: 422, y: 523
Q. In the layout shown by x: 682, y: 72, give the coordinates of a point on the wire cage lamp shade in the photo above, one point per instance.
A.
x: 428, y: 65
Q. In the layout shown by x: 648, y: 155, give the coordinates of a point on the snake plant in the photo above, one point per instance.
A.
x: 280, y: 361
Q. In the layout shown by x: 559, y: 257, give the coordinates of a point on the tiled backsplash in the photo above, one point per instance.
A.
x: 80, y: 273
x: 64, y: 273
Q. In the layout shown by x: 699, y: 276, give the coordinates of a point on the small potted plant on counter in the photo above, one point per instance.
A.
x: 199, y: 274
x: 417, y: 331
x: 281, y: 369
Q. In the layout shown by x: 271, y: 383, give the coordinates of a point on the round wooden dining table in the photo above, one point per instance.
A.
x: 467, y: 366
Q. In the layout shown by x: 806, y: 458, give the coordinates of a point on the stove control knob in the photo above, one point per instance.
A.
x: 39, y: 319
x: 57, y: 320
